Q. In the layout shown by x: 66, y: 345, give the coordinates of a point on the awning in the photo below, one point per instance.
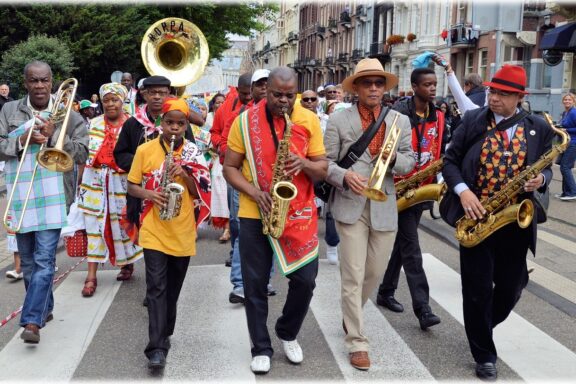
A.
x: 560, y: 38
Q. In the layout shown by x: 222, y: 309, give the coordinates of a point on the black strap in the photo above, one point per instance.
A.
x: 270, y: 120
x: 502, y: 125
x: 234, y: 104
x: 357, y: 149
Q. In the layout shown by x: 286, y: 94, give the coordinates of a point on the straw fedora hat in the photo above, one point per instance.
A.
x: 369, y: 67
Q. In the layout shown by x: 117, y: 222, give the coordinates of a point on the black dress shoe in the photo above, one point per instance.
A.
x: 428, y: 319
x: 486, y: 371
x: 390, y: 303
x: 157, y: 360
x: 228, y: 262
x: 145, y: 302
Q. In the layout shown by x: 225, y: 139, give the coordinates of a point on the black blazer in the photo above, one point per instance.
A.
x: 462, y: 157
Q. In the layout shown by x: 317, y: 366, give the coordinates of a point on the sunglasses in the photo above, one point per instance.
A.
x: 368, y: 83
x: 309, y: 99
x: 500, y: 93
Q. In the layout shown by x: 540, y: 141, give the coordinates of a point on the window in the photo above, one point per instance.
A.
x: 483, y: 63
x: 469, y: 63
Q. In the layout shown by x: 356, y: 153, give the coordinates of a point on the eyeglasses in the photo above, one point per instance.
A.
x: 309, y: 99
x: 500, y: 93
x: 368, y: 83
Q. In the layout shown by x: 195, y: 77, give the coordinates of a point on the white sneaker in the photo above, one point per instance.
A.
x: 568, y: 198
x: 14, y: 275
x: 55, y: 268
x: 260, y: 364
x: 293, y: 351
x: 332, y: 254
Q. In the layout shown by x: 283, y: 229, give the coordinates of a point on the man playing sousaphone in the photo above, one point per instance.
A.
x: 52, y: 192
x: 255, y: 147
x: 366, y: 227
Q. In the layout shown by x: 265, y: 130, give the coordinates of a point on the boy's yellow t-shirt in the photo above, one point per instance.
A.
x: 300, y: 116
x: 176, y: 237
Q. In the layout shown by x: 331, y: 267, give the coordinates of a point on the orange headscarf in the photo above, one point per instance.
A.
x: 175, y: 104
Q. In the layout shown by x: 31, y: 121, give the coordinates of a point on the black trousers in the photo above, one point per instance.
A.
x: 493, y: 275
x: 406, y: 253
x: 164, y: 278
x: 256, y: 259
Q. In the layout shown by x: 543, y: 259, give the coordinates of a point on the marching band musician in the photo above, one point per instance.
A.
x: 168, y: 244
x: 366, y: 227
x: 248, y: 167
x: 52, y: 192
x: 480, y: 161
x: 427, y: 129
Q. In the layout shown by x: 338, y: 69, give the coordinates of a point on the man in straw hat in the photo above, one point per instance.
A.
x: 366, y: 227
x: 484, y: 155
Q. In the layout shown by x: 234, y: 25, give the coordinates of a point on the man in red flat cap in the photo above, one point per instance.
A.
x: 492, y: 147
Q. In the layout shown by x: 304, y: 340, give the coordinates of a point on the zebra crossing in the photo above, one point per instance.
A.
x: 103, y: 337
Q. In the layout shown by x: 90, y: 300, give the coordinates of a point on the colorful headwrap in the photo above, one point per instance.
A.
x: 115, y: 88
x: 174, y: 104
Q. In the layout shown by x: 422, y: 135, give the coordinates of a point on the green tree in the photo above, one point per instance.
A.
x: 105, y: 38
x: 37, y: 47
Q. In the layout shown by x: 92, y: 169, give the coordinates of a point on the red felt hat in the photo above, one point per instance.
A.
x: 509, y: 78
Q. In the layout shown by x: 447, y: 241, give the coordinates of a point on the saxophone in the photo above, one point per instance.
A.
x: 283, y: 190
x: 409, y: 192
x: 499, y: 207
x: 173, y: 191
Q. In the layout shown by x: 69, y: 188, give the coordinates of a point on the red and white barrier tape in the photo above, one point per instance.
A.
x: 16, y: 312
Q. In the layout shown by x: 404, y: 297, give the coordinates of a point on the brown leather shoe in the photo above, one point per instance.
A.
x: 31, y: 334
x: 360, y: 360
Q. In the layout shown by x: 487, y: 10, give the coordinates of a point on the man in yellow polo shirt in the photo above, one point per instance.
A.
x: 252, y: 143
x: 169, y: 243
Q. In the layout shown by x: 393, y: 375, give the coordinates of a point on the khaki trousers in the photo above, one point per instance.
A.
x: 363, y: 260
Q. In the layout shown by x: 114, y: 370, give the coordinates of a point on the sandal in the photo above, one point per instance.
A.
x: 225, y: 236
x: 89, y: 290
x: 125, y: 272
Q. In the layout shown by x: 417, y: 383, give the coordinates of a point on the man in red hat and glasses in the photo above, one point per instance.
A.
x: 495, y: 144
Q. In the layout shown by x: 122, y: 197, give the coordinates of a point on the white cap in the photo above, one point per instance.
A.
x: 320, y: 89
x: 141, y: 83
x: 260, y: 74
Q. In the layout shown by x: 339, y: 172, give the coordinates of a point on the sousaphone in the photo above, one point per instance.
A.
x: 175, y: 48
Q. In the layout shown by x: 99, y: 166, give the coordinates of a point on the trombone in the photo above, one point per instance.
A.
x: 374, y: 189
x: 53, y: 159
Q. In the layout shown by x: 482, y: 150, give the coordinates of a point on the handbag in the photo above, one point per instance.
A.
x: 77, y: 244
x: 323, y: 189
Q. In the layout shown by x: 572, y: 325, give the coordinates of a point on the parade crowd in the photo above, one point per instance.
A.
x: 151, y: 166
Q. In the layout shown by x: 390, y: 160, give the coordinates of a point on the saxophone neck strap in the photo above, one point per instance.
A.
x: 357, y: 149
x: 176, y: 144
x: 270, y: 120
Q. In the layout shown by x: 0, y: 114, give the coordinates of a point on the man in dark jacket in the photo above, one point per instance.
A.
x: 474, y: 89
x: 480, y: 161
x: 427, y: 129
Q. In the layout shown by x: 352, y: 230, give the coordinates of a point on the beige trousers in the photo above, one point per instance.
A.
x: 364, y: 254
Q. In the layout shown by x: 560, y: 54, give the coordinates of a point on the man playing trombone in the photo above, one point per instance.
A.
x: 366, y: 227
x: 51, y: 192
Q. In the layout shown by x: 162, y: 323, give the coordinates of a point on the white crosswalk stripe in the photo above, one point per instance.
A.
x: 203, y: 319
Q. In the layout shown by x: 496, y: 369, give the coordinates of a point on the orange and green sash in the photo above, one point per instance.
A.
x: 298, y: 244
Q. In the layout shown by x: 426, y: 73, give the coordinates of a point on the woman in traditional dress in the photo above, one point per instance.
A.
x: 103, y: 193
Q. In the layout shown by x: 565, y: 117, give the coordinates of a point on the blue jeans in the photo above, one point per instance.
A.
x: 235, y: 270
x: 566, y: 165
x: 331, y: 236
x: 38, y: 258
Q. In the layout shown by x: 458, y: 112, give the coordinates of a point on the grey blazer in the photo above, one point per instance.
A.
x: 344, y: 129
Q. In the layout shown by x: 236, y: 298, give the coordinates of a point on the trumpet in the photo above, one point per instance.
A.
x: 53, y: 159
x: 374, y: 189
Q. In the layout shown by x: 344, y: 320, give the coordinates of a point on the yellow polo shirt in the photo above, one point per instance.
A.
x: 300, y: 116
x: 175, y: 237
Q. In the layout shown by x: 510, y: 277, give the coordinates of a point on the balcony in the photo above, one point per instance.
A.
x: 345, y: 19
x: 292, y: 36
x: 297, y: 64
x: 329, y: 62
x: 534, y: 7
x: 361, y: 13
x: 461, y: 36
x: 342, y: 58
x: 320, y: 29
x: 266, y: 47
x: 357, y: 54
